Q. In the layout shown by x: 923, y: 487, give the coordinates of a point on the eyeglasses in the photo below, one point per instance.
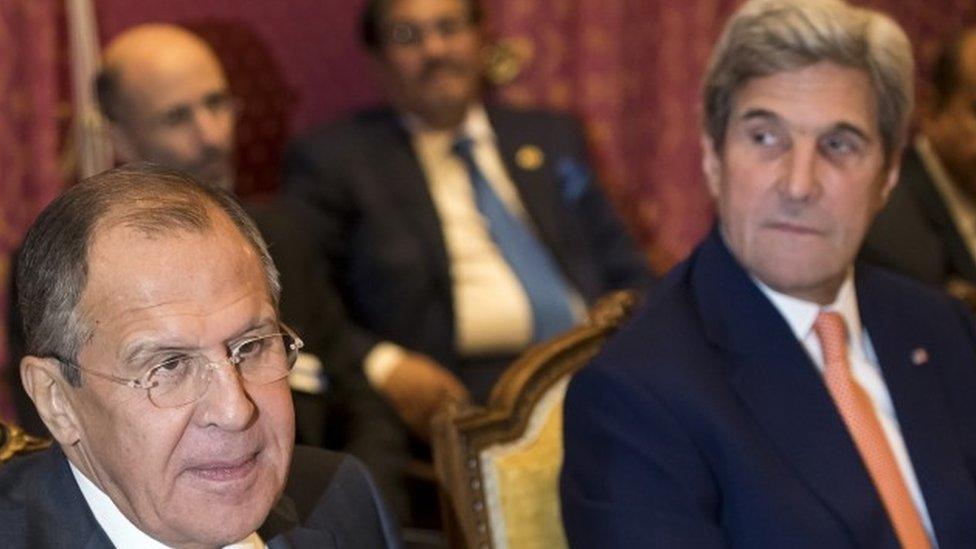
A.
x: 412, y: 33
x: 183, y: 379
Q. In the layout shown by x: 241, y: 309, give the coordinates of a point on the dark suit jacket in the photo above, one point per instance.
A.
x: 372, y: 219
x: 706, y: 424
x: 349, y: 415
x: 915, y: 235
x: 329, y: 502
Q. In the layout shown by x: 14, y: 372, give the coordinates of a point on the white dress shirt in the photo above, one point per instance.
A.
x: 492, y: 311
x: 800, y: 316
x: 120, y: 531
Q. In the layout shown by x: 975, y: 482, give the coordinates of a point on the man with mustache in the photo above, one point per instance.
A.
x: 157, y: 360
x: 773, y: 392
x: 458, y: 232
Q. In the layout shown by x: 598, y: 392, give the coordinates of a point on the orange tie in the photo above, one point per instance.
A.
x: 862, y: 423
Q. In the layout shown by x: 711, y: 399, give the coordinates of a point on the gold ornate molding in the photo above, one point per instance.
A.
x: 506, y: 58
x: 15, y: 441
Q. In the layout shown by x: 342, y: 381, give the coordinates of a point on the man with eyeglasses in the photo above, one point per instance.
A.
x: 165, y: 97
x: 157, y: 360
x: 457, y: 232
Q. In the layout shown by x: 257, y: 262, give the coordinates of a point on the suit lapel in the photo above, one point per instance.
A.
x: 779, y: 384
x: 922, y: 416
x: 537, y: 191
x: 938, y: 214
x: 401, y: 174
x: 98, y: 540
x: 282, y: 529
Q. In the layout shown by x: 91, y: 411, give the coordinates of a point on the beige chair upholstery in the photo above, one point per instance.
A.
x: 14, y: 441
x: 498, y: 466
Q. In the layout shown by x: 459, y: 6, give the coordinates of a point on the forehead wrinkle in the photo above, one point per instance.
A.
x: 795, y: 125
x: 164, y: 334
x: 163, y: 316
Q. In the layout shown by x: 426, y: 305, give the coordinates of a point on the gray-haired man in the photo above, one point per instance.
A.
x: 773, y: 393
x: 156, y: 359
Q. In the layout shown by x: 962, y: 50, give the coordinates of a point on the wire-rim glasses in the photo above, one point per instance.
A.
x: 182, y: 379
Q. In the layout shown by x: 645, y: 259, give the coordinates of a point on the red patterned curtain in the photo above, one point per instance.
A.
x: 29, y: 131
x: 629, y: 68
x: 632, y: 69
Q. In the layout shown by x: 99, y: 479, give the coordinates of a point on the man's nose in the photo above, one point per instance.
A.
x: 433, y: 42
x: 212, y: 127
x: 226, y: 404
x: 800, y: 179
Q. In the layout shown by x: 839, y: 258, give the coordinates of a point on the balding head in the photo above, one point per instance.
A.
x: 165, y: 94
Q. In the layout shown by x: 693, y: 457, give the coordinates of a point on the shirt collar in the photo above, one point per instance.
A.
x: 800, y: 315
x: 120, y: 531
x: 475, y: 125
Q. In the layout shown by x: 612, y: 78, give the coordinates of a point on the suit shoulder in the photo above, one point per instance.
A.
x: 21, y: 476
x: 667, y: 327
x: 531, y: 116
x: 317, y: 472
x: 348, y: 132
x: 336, y: 491
x: 904, y: 291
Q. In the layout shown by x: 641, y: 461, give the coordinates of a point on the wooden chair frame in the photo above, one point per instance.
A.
x: 462, y: 432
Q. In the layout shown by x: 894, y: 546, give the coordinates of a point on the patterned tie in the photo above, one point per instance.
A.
x: 532, y: 263
x: 865, y: 428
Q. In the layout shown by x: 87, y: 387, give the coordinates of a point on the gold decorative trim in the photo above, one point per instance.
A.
x: 506, y: 59
x: 15, y: 441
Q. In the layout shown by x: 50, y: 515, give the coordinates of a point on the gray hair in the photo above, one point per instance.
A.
x: 52, y: 271
x: 766, y: 37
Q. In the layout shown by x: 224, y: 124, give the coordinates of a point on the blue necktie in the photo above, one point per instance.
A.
x: 533, y: 264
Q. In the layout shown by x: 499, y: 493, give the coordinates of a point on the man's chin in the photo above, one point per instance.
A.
x: 444, y: 111
x: 218, y: 174
x: 218, y: 523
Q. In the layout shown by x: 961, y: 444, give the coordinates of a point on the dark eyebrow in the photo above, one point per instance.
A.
x: 851, y: 128
x: 765, y: 114
x: 753, y: 114
x: 257, y: 325
x: 146, y: 348
x: 218, y: 95
x: 134, y: 355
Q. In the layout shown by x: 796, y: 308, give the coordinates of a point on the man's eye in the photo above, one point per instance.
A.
x: 177, y: 117
x: 450, y: 26
x: 252, y: 348
x: 218, y: 102
x: 404, y: 33
x: 839, y: 145
x: 764, y: 138
x: 172, y: 369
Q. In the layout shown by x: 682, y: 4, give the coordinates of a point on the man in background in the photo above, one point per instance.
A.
x: 457, y: 232
x: 773, y: 393
x: 165, y: 97
x: 928, y: 229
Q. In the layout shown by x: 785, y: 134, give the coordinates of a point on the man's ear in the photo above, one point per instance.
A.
x: 48, y: 389
x: 711, y: 165
x: 125, y: 150
x: 891, y: 176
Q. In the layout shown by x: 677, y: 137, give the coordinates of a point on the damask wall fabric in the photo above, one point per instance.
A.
x: 29, y: 124
x: 629, y: 68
